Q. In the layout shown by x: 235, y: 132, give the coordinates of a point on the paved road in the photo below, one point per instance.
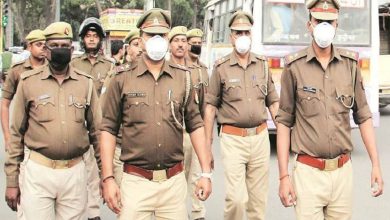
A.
x: 365, y: 207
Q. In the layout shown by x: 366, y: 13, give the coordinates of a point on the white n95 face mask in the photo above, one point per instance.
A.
x: 156, y: 47
x: 324, y: 34
x: 243, y: 44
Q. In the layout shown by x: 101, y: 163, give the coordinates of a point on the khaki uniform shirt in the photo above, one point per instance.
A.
x: 200, y: 80
x: 316, y: 102
x: 152, y: 138
x: 13, y: 77
x: 241, y: 95
x: 98, y: 70
x: 52, y: 119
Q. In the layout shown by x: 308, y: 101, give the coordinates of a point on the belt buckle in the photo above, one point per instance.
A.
x: 60, y: 164
x: 331, y: 164
x: 250, y: 131
x: 159, y: 175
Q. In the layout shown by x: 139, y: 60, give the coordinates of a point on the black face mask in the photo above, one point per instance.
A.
x: 196, y: 49
x: 60, y: 58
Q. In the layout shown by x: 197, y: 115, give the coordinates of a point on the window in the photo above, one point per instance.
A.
x: 284, y: 22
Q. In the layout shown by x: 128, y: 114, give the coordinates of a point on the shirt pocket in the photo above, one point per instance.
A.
x: 175, y: 112
x: 233, y: 91
x: 137, y: 108
x: 79, y: 106
x: 45, y: 109
x: 309, y: 103
x: 260, y: 87
x: 345, y: 99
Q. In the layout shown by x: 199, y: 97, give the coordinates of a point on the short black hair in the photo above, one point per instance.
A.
x: 116, y: 45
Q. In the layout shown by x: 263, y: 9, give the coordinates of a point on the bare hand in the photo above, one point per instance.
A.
x: 376, y: 182
x: 12, y: 197
x: 287, y: 193
x: 203, y: 188
x: 111, y: 195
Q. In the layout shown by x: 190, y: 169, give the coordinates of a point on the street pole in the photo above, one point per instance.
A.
x: 9, y: 40
x: 58, y: 7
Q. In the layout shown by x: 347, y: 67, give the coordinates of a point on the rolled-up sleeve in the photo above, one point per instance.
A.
x: 272, y: 95
x: 213, y: 95
x: 286, y: 112
x: 19, y: 126
x: 192, y: 117
x: 10, y: 85
x: 112, y: 106
x: 361, y: 110
x: 94, y: 118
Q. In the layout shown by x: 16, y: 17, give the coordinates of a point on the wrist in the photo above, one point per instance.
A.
x: 108, y: 178
x: 207, y: 175
x: 285, y: 176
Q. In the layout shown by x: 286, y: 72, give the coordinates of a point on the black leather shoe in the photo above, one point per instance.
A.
x: 96, y: 218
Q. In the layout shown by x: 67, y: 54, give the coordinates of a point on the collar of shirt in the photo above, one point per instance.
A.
x: 311, y: 54
x: 70, y: 74
x: 234, y: 58
x: 27, y: 64
x: 142, y: 68
x: 99, y: 58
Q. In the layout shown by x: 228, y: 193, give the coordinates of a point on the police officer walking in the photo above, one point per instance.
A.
x: 321, y: 84
x: 151, y: 99
x: 35, y: 44
x: 178, y: 46
x: 241, y: 89
x: 56, y: 116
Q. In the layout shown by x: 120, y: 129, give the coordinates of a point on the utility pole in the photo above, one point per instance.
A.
x: 149, y: 4
x: 9, y: 39
x: 58, y: 7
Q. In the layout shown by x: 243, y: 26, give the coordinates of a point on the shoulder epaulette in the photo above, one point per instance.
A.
x: 32, y: 72
x: 202, y: 64
x: 108, y: 60
x: 349, y: 54
x: 82, y: 73
x: 261, y: 57
x: 181, y: 67
x: 222, y: 60
x: 295, y: 56
x: 18, y: 63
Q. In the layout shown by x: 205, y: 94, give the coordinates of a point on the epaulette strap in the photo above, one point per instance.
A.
x: 27, y: 74
x: 349, y: 54
x: 261, y: 57
x: 222, y: 60
x: 293, y: 57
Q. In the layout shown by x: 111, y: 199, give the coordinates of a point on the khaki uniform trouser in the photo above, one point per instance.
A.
x: 246, y: 164
x: 142, y: 199
x: 323, y: 194
x: 49, y: 194
x: 192, y: 170
x: 93, y: 184
x: 118, y: 165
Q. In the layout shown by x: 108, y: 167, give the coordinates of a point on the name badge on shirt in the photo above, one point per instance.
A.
x: 234, y: 80
x: 44, y: 96
x: 309, y: 89
x: 136, y: 94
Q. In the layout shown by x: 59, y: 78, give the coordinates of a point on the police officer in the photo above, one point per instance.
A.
x: 35, y: 44
x: 241, y: 89
x: 133, y: 49
x: 320, y: 85
x: 56, y: 115
x: 91, y: 35
x: 151, y: 99
x: 178, y: 46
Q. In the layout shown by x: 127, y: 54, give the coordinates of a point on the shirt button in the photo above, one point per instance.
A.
x: 136, y: 103
x: 249, y: 99
x: 62, y: 105
x: 158, y: 123
x: 157, y: 103
x: 326, y: 76
x: 159, y: 145
x: 156, y: 84
x: 62, y: 122
x: 64, y: 142
x: 308, y: 98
